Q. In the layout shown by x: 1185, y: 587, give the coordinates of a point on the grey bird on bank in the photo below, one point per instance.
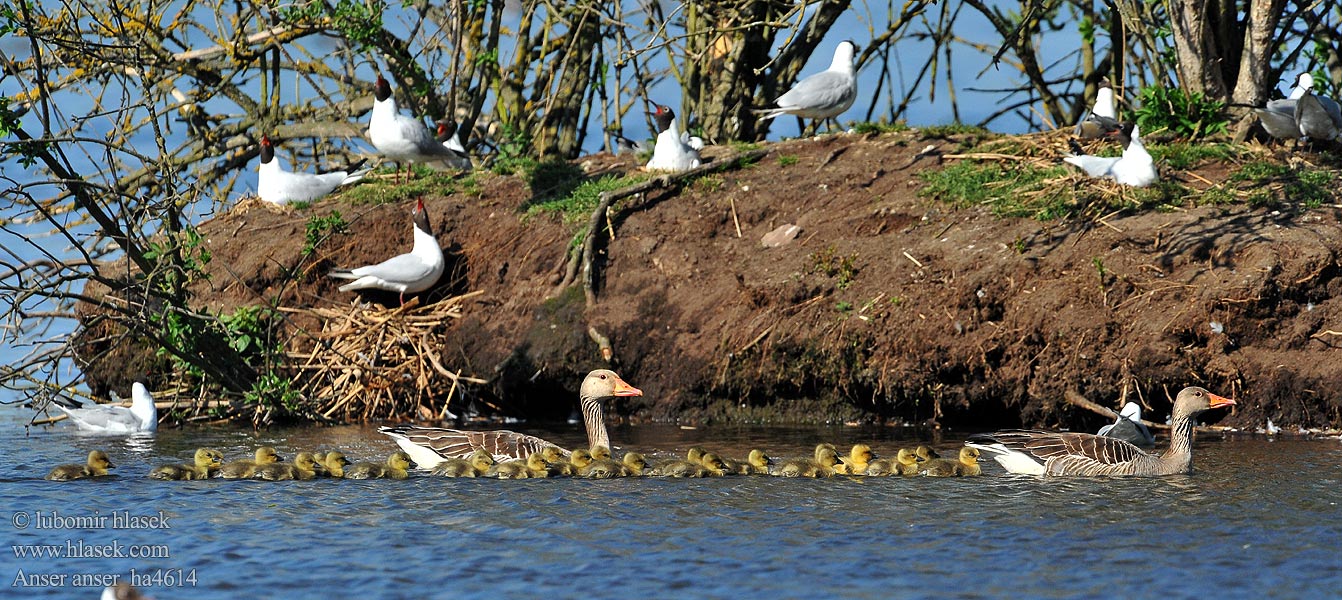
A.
x: 141, y: 417
x: 1278, y: 116
x: 1129, y: 427
x: 278, y: 186
x: 414, y: 271
x: 824, y: 95
x: 1319, y: 118
x: 400, y: 138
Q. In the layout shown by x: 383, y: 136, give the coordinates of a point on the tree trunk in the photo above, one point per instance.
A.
x: 1195, y: 41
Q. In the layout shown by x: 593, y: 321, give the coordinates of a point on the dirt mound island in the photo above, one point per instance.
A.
x: 882, y: 303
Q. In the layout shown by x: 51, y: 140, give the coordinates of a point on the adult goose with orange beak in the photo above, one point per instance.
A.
x: 429, y: 446
x: 1086, y: 455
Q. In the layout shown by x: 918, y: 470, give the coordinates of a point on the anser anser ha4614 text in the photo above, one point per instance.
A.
x: 429, y: 446
x: 1057, y: 453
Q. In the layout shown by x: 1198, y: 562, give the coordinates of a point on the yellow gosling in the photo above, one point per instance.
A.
x: 397, y: 467
x: 580, y: 458
x: 475, y: 465
x: 207, y: 461
x: 303, y: 468
x: 634, y: 464
x: 966, y: 463
x: 821, y: 465
x: 600, y: 453
x: 96, y: 465
x: 924, y: 453
x: 713, y: 464
x: 756, y: 463
x: 242, y: 469
x: 856, y: 462
x: 557, y: 465
x: 534, y: 467
x: 335, y: 462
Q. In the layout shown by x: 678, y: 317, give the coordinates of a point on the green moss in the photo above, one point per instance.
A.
x: 582, y: 199
x: 1184, y: 155
x: 880, y: 127
x: 384, y: 189
x: 786, y: 160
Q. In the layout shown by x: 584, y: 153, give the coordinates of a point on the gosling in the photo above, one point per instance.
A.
x: 476, y: 465
x: 207, y: 461
x: 397, y: 467
x: 96, y: 466
x: 303, y: 468
x: 244, y: 469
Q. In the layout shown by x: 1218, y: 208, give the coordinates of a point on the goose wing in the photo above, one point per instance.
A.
x: 1065, y: 453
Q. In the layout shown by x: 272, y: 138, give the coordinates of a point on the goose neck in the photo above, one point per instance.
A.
x: 595, y: 422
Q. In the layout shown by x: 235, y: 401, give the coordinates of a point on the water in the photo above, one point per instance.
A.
x: 1258, y: 519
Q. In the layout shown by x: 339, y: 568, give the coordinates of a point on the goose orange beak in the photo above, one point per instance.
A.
x: 624, y: 389
x: 1219, y: 401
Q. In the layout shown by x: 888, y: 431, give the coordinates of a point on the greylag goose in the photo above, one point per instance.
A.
x: 242, y: 469
x: 141, y: 417
x: 207, y: 461
x: 303, y: 468
x: 1056, y: 453
x: 429, y: 446
x: 1102, y: 118
x: 96, y: 466
x: 1129, y: 427
x: 476, y: 465
x: 397, y: 467
x: 856, y: 462
x: 967, y: 465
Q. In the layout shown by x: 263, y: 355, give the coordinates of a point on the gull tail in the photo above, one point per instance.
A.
x: 341, y: 274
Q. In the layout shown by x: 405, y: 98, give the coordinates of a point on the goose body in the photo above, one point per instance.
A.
x: 278, y: 186
x: 823, y: 95
x: 905, y: 462
x: 397, y: 467
x: 856, y: 462
x: 429, y: 446
x: 1129, y: 427
x: 242, y: 469
x: 141, y: 417
x: 96, y: 465
x: 821, y: 465
x: 1135, y: 167
x: 1083, y: 454
x: 206, y: 462
x: 408, y: 273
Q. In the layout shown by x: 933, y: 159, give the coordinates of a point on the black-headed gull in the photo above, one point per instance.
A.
x: 823, y: 95
x: 1134, y: 168
x: 624, y: 145
x: 1278, y: 116
x: 141, y: 417
x: 400, y: 138
x: 1129, y: 427
x: 674, y: 150
x: 412, y: 272
x: 450, y: 137
x: 277, y: 186
x: 1319, y: 117
x: 1102, y: 118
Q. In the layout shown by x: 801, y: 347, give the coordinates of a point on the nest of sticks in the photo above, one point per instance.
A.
x: 371, y: 363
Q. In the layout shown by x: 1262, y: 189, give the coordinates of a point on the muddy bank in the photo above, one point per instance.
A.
x: 886, y: 306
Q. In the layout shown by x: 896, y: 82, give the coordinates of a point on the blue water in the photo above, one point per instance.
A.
x: 1257, y: 519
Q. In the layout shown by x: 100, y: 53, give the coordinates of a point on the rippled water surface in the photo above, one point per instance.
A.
x: 1258, y: 519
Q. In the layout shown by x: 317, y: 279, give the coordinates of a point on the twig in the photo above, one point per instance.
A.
x: 914, y: 260
x: 602, y: 342
x: 735, y: 221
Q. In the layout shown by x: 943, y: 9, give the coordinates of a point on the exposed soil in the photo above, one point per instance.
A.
x: 952, y: 315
